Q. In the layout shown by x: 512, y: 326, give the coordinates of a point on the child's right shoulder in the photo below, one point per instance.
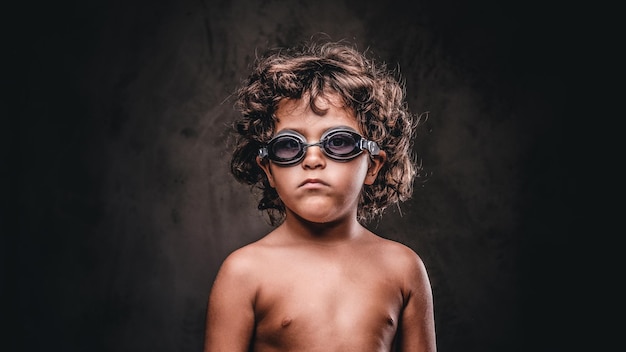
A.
x: 243, y: 260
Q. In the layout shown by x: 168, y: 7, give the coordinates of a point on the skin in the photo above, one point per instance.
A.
x: 321, y: 281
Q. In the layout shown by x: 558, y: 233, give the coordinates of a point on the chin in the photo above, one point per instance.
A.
x: 321, y: 211
x: 320, y: 220
x: 325, y: 217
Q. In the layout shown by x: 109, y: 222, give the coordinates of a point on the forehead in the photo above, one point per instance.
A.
x: 297, y: 114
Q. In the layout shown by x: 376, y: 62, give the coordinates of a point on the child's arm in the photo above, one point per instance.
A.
x: 417, y: 325
x: 230, y: 313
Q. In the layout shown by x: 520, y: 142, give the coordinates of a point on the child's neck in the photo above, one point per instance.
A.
x: 336, y: 232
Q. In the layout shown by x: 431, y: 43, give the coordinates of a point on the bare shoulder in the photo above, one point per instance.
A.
x: 404, y: 261
x: 238, y: 278
x: 243, y: 261
x: 399, y: 253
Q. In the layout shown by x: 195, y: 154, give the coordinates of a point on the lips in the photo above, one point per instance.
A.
x: 313, y: 182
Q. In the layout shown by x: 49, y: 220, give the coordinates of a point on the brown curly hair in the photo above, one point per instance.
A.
x: 315, y: 70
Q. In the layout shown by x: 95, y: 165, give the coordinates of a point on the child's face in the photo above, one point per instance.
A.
x: 320, y: 189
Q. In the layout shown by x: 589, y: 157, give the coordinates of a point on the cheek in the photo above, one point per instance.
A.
x: 279, y: 177
x: 353, y: 174
x: 363, y: 169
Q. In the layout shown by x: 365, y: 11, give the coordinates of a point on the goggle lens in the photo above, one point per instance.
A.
x: 286, y: 148
x: 342, y: 144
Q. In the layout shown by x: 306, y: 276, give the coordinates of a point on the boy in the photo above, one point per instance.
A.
x: 326, y: 137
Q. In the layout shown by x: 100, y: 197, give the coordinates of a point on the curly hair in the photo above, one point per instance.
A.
x: 315, y: 70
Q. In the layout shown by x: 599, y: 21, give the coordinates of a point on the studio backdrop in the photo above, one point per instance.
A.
x: 125, y: 207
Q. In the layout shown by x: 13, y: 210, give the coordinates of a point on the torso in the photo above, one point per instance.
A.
x: 327, y: 298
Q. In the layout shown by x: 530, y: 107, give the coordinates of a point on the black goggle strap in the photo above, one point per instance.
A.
x: 362, y: 144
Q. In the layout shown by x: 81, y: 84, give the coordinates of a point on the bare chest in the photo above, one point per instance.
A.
x: 345, y: 305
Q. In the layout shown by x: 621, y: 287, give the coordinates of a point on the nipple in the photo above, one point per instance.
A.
x: 390, y: 321
x: 285, y: 322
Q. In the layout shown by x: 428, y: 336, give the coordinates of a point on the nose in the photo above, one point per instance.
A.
x: 314, y: 157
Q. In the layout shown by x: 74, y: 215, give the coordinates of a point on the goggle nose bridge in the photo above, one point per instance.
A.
x: 319, y: 143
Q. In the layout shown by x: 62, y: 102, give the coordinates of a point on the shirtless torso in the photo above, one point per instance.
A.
x: 363, y: 294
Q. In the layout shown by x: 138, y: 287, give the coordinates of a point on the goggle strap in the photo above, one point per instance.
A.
x: 371, y: 146
x: 263, y: 152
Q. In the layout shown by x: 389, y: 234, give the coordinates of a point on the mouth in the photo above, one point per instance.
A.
x: 313, y: 182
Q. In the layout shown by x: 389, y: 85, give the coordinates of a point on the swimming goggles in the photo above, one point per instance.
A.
x: 288, y: 147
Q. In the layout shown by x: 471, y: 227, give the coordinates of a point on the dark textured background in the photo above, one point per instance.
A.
x: 118, y: 203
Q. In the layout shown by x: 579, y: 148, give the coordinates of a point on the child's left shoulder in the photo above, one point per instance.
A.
x: 399, y: 254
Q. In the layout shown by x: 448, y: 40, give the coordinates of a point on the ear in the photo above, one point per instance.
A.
x: 376, y: 163
x: 265, y: 165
